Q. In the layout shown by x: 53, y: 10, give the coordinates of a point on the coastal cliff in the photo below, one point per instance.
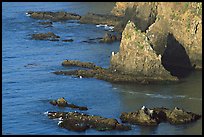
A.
x: 157, y: 19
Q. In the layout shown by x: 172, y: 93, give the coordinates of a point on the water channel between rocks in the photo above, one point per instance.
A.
x: 28, y: 82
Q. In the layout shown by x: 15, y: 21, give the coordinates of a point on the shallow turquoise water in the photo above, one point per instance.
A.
x: 26, y: 90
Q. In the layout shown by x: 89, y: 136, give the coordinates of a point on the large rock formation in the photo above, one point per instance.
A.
x: 182, y: 19
x: 137, y: 57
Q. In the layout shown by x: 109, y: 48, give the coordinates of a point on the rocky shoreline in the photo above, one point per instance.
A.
x: 153, y: 50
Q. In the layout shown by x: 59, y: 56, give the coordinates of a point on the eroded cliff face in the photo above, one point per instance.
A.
x: 136, y: 56
x: 158, y: 19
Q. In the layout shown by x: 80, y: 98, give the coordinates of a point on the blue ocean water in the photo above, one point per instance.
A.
x: 28, y: 82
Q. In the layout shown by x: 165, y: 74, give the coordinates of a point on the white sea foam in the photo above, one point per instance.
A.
x: 106, y: 27
x: 27, y: 14
x: 46, y: 113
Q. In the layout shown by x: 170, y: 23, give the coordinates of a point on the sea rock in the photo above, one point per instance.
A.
x: 184, y: 21
x: 140, y: 117
x: 46, y: 36
x: 149, y: 117
x: 113, y: 76
x: 80, y: 64
x: 80, y: 122
x: 46, y: 24
x: 54, y: 16
x: 109, y: 38
x: 180, y: 116
x: 61, y: 102
x: 137, y: 57
x: 68, y: 40
x: 157, y: 19
x: 105, y: 19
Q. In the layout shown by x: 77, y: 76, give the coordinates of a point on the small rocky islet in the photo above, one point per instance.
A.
x: 77, y: 121
x: 150, y: 40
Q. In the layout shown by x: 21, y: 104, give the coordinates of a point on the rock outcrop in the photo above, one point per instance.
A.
x: 92, y: 18
x: 152, y: 117
x: 182, y: 19
x: 54, y: 16
x: 137, y: 57
x: 107, y: 74
x: 80, y: 122
x: 61, y: 102
x: 46, y: 36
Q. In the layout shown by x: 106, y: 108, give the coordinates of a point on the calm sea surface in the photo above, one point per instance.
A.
x: 28, y: 82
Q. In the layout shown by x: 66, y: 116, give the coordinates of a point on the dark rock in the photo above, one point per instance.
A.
x: 54, y: 16
x: 140, y: 117
x: 80, y: 122
x: 68, y: 40
x: 80, y: 64
x: 114, y: 77
x: 154, y: 116
x: 179, y: 116
x: 61, y: 102
x: 46, y: 36
x: 108, y: 38
x: 92, y: 18
x: 46, y: 23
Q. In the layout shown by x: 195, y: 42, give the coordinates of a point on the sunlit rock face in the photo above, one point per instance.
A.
x: 137, y: 57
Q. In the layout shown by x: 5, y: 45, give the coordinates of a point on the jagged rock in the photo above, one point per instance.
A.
x: 143, y: 14
x: 80, y: 122
x: 54, y: 16
x: 182, y: 19
x: 61, y: 102
x: 92, y: 18
x: 46, y: 36
x: 137, y: 57
x: 149, y: 117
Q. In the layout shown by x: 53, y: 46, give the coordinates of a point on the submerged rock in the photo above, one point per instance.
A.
x: 46, y: 24
x: 68, y: 40
x: 137, y: 57
x: 149, y: 117
x: 46, y: 36
x: 54, y: 16
x: 61, y: 102
x: 80, y: 122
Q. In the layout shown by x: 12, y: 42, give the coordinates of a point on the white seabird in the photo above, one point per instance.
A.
x: 59, y: 122
x: 112, y: 53
x: 80, y: 76
x: 143, y: 107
